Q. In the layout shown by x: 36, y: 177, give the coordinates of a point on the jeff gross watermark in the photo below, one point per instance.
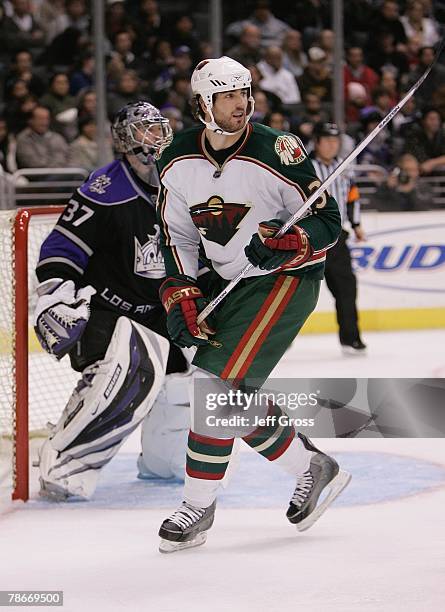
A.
x: 346, y: 407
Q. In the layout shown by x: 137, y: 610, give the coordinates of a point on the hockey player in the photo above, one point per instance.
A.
x: 226, y: 188
x: 100, y: 270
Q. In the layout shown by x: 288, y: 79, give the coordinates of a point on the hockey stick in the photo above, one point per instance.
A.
x: 331, y: 178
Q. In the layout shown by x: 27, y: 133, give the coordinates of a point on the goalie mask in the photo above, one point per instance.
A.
x: 213, y: 76
x: 140, y: 132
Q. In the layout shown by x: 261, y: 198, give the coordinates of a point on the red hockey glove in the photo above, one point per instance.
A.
x: 182, y: 301
x: 269, y: 253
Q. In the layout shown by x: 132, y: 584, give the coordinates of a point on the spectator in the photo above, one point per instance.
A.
x: 38, y: 146
x: 83, y: 77
x: 174, y: 115
x: 277, y: 121
x: 315, y: 78
x: 22, y: 68
x: 58, y: 99
x: 51, y: 15
x: 387, y: 21
x: 184, y: 35
x: 356, y: 71
x: 20, y: 30
x: 160, y: 61
x: 7, y: 148
x: 247, y: 51
x: 388, y: 82
x: 356, y: 99
x: 84, y: 151
x: 382, y: 101
x: 435, y: 79
x: 262, y: 107
x: 256, y: 77
x: 180, y: 94
x: 181, y: 67
x: 402, y: 190
x: 404, y: 121
x: 426, y: 141
x: 438, y: 100
x: 272, y: 29
x: 86, y: 103
x: 117, y: 20
x: 386, y: 56
x: 18, y: 91
x: 413, y: 46
x: 378, y: 152
x: 416, y: 24
x: 357, y: 17
x: 312, y: 16
x: 76, y: 16
x: 18, y: 115
x: 122, y: 57
x: 127, y: 91
x: 278, y: 79
x: 294, y: 58
x: 311, y: 114
x: 150, y: 25
x: 326, y: 41
x: 64, y: 50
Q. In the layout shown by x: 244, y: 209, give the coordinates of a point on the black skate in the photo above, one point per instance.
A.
x: 323, y: 474
x: 186, y: 528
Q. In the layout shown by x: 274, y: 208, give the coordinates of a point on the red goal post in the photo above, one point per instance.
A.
x: 22, y: 365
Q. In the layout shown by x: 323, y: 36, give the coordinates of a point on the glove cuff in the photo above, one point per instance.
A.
x: 176, y: 289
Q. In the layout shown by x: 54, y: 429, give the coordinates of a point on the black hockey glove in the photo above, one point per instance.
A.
x: 269, y: 253
x: 183, y: 300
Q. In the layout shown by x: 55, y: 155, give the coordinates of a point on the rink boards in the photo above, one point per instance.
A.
x: 401, y: 274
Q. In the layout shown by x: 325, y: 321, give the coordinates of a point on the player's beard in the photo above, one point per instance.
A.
x: 230, y: 125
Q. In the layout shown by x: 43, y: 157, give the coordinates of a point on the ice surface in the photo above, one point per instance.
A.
x: 380, y: 548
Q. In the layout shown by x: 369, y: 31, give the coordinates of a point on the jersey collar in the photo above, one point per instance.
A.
x: 242, y: 144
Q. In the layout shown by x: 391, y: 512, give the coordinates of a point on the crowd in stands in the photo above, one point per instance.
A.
x: 48, y: 101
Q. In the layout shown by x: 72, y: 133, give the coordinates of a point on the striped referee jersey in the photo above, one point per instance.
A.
x: 344, y: 189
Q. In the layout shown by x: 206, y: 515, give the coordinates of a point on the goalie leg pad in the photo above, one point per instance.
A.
x: 165, y: 430
x: 108, y: 403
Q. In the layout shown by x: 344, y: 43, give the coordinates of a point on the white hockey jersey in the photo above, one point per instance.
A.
x: 269, y: 176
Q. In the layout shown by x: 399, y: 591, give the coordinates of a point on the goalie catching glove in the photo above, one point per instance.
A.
x: 268, y: 253
x: 183, y: 301
x: 61, y: 315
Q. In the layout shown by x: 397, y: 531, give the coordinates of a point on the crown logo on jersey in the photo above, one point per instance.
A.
x: 100, y: 184
x: 289, y: 150
x: 148, y: 261
x: 218, y: 221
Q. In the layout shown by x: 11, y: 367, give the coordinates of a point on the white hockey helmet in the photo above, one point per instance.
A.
x: 213, y: 76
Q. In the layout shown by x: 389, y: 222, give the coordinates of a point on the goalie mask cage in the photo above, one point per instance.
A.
x: 34, y: 387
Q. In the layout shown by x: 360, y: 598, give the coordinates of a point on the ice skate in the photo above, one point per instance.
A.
x: 323, y: 475
x: 186, y: 528
x: 357, y: 347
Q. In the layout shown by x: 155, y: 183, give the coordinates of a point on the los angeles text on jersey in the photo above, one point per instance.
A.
x: 118, y: 302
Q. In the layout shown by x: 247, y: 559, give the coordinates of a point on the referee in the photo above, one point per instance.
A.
x: 339, y: 276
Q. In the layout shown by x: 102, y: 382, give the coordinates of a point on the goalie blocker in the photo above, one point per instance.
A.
x: 109, y: 402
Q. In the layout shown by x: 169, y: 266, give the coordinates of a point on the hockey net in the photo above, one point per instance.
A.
x: 34, y: 387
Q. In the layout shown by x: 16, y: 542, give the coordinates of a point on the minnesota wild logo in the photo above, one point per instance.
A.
x: 218, y: 221
x: 289, y: 150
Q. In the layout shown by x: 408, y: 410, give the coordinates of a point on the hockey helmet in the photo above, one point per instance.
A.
x: 139, y: 129
x: 213, y: 76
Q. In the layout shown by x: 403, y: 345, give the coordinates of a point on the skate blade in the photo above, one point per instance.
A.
x: 336, y: 486
x: 166, y: 546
